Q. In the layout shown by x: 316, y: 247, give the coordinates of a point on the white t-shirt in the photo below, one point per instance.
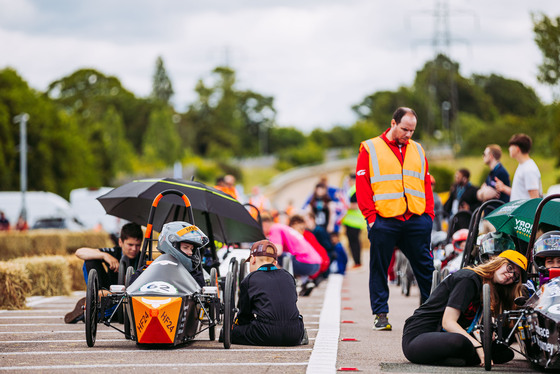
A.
x: 527, y: 177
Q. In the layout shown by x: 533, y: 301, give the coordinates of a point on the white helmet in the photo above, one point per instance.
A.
x: 174, y: 233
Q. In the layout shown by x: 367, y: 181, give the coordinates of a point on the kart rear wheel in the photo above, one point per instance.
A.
x: 126, y: 322
x: 436, y: 279
x: 212, y: 307
x: 229, y: 303
x: 92, y: 303
x: 487, y: 327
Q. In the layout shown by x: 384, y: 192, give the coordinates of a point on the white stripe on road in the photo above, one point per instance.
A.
x: 66, y: 341
x: 32, y: 324
x: 59, y: 341
x: 54, y: 332
x: 325, y: 349
x: 30, y: 317
x: 5, y: 311
x: 42, y: 300
x: 111, y: 351
x: 162, y: 365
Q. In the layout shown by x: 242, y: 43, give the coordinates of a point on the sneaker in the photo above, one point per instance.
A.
x: 305, y: 339
x: 307, y: 288
x: 381, y: 322
x: 77, y: 314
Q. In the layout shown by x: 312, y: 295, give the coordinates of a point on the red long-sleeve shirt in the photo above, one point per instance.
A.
x: 364, y: 193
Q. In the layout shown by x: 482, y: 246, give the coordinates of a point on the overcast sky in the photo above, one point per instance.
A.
x: 315, y: 57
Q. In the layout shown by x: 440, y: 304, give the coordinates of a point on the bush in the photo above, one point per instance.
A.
x: 444, y: 177
x: 15, y: 285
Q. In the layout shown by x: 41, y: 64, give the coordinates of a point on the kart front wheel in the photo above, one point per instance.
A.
x: 126, y: 322
x: 229, y: 303
x: 212, y: 307
x: 92, y: 304
x: 487, y: 327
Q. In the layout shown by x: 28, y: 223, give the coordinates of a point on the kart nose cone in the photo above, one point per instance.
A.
x: 156, y: 318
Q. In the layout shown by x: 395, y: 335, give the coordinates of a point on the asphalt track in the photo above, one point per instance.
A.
x: 337, y: 317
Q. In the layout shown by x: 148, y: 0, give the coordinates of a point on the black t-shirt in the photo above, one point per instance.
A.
x: 461, y: 290
x: 269, y: 294
x: 116, y: 252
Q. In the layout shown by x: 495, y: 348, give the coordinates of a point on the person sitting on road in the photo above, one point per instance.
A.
x: 184, y: 241
x: 439, y: 331
x: 267, y: 307
x: 289, y: 242
x: 121, y: 256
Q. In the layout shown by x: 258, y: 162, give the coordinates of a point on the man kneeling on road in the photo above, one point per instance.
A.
x: 130, y: 241
x: 268, y: 314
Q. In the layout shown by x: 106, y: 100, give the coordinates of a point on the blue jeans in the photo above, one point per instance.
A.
x: 412, y: 237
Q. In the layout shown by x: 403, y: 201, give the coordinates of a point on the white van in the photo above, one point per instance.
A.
x: 90, y: 212
x: 41, y: 207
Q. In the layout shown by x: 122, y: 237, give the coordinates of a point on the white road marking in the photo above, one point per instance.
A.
x: 30, y: 317
x: 59, y: 341
x: 162, y: 365
x: 54, y: 332
x: 32, y: 324
x: 134, y: 350
x: 325, y: 349
x: 5, y: 311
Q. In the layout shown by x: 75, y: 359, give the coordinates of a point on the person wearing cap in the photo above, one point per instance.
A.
x: 546, y: 252
x: 267, y: 307
x: 439, y: 331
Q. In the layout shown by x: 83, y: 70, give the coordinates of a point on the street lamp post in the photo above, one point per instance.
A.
x: 22, y: 120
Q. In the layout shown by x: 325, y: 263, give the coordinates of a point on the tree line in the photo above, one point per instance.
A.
x: 86, y: 129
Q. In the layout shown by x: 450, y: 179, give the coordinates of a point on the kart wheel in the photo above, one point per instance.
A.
x: 214, y: 277
x: 288, y: 264
x: 229, y: 303
x: 212, y: 319
x: 92, y: 303
x: 242, y: 270
x: 436, y: 279
x: 487, y: 327
x: 126, y: 322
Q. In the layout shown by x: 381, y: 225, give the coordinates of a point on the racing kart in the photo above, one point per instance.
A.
x: 164, y: 305
x: 535, y: 324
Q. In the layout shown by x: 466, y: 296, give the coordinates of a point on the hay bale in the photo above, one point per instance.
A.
x: 91, y: 239
x: 47, y: 242
x: 13, y: 244
x: 15, y: 285
x: 75, y: 268
x: 49, y: 275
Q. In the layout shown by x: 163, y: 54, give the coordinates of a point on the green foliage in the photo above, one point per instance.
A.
x: 509, y: 96
x: 444, y: 177
x: 547, y: 37
x: 285, y: 137
x: 310, y: 153
x: 226, y: 122
x: 161, y: 140
x: 162, y: 89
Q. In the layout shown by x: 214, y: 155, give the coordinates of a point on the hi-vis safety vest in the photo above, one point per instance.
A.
x: 394, y: 186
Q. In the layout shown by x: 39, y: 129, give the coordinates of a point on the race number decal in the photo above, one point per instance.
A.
x: 554, y: 309
x: 159, y: 287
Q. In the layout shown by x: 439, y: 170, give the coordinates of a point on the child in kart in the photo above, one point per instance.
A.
x: 268, y: 313
x: 184, y: 241
x: 547, y: 254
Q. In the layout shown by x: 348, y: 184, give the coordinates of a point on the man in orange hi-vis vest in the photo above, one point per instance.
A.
x: 394, y: 193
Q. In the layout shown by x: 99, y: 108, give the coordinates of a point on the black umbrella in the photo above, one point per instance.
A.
x: 219, y: 215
